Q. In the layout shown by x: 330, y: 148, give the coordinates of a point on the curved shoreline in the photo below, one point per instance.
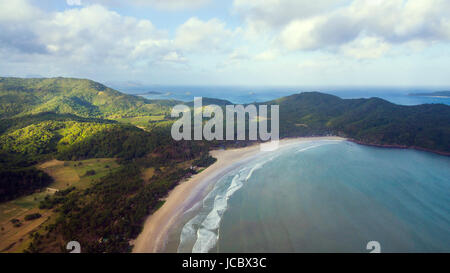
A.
x: 154, y: 234
x: 398, y: 146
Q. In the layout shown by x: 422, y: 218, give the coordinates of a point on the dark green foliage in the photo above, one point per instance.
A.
x: 89, y: 173
x: 59, y: 197
x: 72, y: 96
x: 35, y: 141
x: 209, y: 101
x: 19, y: 182
x: 371, y: 121
x: 32, y: 216
x: 12, y: 124
x: 124, y: 142
x: 105, y: 217
x: 204, y: 161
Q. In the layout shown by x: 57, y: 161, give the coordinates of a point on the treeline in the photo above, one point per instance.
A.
x: 76, y: 140
x: 204, y: 161
x: 125, y: 142
x: 80, y: 97
x: 105, y: 217
x: 12, y: 124
x: 48, y: 137
x: 16, y: 183
x: 370, y: 121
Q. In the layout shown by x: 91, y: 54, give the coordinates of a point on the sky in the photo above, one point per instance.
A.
x: 229, y: 42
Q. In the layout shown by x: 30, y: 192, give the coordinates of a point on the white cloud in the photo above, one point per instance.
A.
x: 330, y: 25
x: 73, y: 2
x: 94, y: 33
x: 76, y: 40
x: 301, y: 34
x: 175, y: 4
x: 365, y: 48
x: 274, y: 40
x: 16, y: 27
x: 203, y: 36
x: 268, y: 55
x: 159, y: 4
x: 281, y: 12
x: 18, y: 11
x: 174, y: 57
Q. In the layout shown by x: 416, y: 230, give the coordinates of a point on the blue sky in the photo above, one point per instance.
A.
x: 229, y: 42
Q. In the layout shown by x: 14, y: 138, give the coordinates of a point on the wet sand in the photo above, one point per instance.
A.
x: 184, y: 196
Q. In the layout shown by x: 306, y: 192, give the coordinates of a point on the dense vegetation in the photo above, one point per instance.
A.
x: 72, y: 119
x: 29, y: 133
x: 80, y: 97
x: 15, y: 183
x: 36, y: 140
x: 204, y: 161
x: 32, y: 216
x: 12, y: 124
x: 106, y: 216
x: 370, y: 121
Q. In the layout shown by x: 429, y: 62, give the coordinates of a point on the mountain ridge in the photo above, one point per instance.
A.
x: 372, y: 121
x: 82, y: 97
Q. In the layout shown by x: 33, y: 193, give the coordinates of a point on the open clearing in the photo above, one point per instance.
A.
x: 73, y: 173
x: 148, y: 173
x: 140, y: 121
x: 66, y: 174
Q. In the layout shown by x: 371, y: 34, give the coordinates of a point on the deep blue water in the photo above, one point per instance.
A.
x: 240, y: 95
x: 326, y: 196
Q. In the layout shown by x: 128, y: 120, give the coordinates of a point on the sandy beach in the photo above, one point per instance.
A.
x: 188, y: 193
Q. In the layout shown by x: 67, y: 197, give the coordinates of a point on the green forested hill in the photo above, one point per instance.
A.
x: 11, y: 124
x: 68, y: 119
x: 371, y: 121
x: 81, y: 97
x: 209, y: 101
x: 74, y: 119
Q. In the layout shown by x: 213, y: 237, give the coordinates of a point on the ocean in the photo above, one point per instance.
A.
x: 324, y: 196
x: 242, y: 95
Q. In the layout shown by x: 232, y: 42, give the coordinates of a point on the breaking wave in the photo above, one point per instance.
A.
x: 201, y: 233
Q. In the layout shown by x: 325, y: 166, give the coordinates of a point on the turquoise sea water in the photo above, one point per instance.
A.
x: 249, y: 94
x: 325, y: 196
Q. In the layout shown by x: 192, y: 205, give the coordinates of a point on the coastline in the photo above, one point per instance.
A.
x: 398, y: 146
x: 185, y: 195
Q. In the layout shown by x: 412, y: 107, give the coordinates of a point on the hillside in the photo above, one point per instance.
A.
x: 80, y: 97
x: 370, y: 121
x: 209, y: 101
x: 76, y: 120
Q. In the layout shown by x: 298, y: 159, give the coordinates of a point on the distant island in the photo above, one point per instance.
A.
x: 438, y: 94
x: 147, y: 93
x: 95, y: 162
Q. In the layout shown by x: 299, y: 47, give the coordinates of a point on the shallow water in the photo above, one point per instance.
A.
x: 325, y: 196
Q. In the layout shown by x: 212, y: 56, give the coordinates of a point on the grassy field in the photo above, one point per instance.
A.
x: 141, y: 121
x: 65, y: 174
x: 147, y: 174
x: 15, y: 208
x: 12, y: 238
x: 74, y: 173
